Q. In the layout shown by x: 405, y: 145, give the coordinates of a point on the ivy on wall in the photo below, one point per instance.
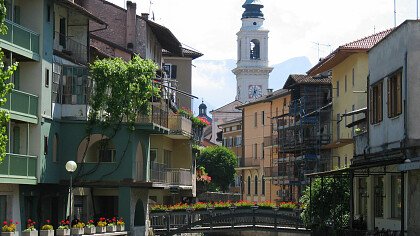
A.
x: 5, y: 88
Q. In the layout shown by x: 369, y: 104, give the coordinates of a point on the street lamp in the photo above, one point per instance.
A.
x: 71, y: 167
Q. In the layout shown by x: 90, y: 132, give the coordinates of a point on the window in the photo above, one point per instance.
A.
x: 396, y: 196
x: 153, y: 155
x: 345, y: 161
x: 249, y: 185
x: 262, y: 185
x: 379, y: 196
x: 345, y: 84
x: 394, y: 94
x: 352, y: 120
x: 47, y: 78
x: 16, y: 140
x: 376, y: 103
x: 107, y: 155
x: 45, y: 145
x: 338, y: 161
x: 238, y: 141
x: 74, y: 85
x: 262, y: 150
x: 48, y: 13
x: 254, y: 53
x: 338, y: 88
x: 256, y: 185
x: 255, y: 119
x: 170, y: 70
x: 255, y: 151
x: 352, y: 77
x: 167, y: 154
x: 262, y: 118
x: 338, y: 126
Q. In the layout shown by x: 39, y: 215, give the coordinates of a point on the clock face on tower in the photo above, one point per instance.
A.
x: 255, y: 91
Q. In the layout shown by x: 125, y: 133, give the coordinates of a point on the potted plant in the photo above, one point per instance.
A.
x: 30, y: 229
x: 112, y: 225
x: 47, y: 229
x: 9, y: 228
x: 90, y: 227
x: 101, y: 226
x: 64, y: 228
x: 120, y: 225
x: 78, y: 229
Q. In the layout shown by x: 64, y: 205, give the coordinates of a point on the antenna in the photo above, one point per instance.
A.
x: 417, y: 9
x: 319, y: 45
x: 395, y: 13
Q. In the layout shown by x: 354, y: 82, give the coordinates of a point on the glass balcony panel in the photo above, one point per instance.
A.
x: 21, y: 37
x: 19, y: 165
x: 19, y: 102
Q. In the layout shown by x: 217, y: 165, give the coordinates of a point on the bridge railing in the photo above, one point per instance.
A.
x: 176, y: 222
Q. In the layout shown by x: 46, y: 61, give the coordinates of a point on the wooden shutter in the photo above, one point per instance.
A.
x: 371, y: 113
x: 389, y: 97
x: 380, y: 103
x: 399, y: 93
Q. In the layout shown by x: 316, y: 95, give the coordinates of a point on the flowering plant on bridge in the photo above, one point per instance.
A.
x: 47, y: 225
x: 288, y: 205
x: 221, y: 205
x: 90, y: 224
x: 101, y: 222
x: 244, y: 204
x: 79, y: 225
x: 120, y: 221
x: 9, y: 226
x: 64, y: 224
x: 201, y: 206
x: 159, y: 207
x: 112, y: 221
x: 266, y: 204
x: 30, y: 225
x: 179, y: 207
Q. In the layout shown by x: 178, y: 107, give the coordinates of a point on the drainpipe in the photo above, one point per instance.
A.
x: 403, y: 201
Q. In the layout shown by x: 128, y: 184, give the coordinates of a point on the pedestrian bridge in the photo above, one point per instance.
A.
x: 232, y: 219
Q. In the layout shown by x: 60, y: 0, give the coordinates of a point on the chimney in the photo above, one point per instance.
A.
x: 145, y: 15
x: 131, y: 24
x: 269, y: 91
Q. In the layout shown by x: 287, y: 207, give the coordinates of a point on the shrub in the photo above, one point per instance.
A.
x: 47, y: 226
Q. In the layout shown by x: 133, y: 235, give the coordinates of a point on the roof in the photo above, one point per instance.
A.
x: 252, y: 9
x: 229, y: 108
x: 186, y: 52
x: 276, y: 94
x: 395, y: 29
x: 229, y: 122
x: 81, y: 10
x: 165, y: 37
x: 306, y: 79
x: 344, y: 51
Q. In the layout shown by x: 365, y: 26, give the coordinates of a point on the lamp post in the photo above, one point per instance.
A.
x: 71, y: 167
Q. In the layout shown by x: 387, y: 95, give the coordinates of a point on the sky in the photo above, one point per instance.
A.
x: 308, y: 28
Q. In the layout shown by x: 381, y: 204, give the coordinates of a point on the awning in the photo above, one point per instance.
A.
x: 165, y: 37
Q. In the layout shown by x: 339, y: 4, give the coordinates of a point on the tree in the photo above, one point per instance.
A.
x: 220, y: 163
x: 327, y: 203
x: 5, y: 87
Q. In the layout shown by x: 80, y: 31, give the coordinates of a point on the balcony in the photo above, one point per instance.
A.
x: 170, y: 176
x: 18, y: 169
x: 180, y: 125
x: 249, y: 163
x: 20, y: 40
x: 22, y: 106
x: 158, y: 115
x: 70, y: 48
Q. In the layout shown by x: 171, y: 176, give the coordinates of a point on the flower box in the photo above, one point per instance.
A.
x: 90, y: 230
x: 111, y: 228
x: 9, y: 234
x: 100, y: 230
x: 30, y: 233
x: 77, y: 231
x: 62, y: 232
x: 46, y: 233
x: 120, y: 228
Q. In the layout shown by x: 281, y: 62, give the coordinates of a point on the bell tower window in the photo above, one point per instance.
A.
x: 254, y: 49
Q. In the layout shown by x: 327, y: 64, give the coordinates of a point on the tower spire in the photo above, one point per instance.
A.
x: 253, y: 9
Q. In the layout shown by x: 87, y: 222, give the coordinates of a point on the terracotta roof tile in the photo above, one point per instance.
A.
x: 367, y: 42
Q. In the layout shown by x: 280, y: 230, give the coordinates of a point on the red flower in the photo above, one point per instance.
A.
x: 11, y: 221
x: 48, y: 221
x: 5, y: 222
x: 16, y: 223
x: 29, y: 220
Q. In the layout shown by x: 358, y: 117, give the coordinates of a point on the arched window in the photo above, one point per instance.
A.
x: 249, y: 185
x: 256, y: 185
x: 254, y: 53
x: 262, y: 185
x: 139, y: 216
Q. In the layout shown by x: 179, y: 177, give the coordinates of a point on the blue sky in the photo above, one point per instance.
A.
x: 296, y: 28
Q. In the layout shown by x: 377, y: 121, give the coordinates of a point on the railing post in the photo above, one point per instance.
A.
x: 275, y: 217
x: 211, y: 218
x: 254, y: 208
x: 232, y: 221
x: 189, y: 218
x: 168, y: 222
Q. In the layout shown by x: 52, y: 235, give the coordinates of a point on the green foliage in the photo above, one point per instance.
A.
x: 220, y: 163
x: 122, y: 90
x: 327, y: 204
x: 5, y: 87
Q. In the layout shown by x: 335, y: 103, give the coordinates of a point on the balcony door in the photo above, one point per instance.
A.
x: 62, y: 31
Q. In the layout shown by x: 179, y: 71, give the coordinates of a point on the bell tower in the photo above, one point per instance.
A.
x: 252, y: 70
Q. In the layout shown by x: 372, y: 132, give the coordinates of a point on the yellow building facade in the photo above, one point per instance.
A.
x: 260, y: 144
